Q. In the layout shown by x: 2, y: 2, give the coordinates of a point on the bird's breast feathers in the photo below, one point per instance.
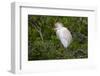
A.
x: 63, y: 32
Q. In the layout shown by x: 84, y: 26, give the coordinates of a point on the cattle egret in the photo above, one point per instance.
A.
x: 63, y: 34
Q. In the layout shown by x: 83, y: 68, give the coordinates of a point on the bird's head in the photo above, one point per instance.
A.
x: 58, y: 25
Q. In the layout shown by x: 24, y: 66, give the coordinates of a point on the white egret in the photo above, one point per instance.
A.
x: 63, y: 34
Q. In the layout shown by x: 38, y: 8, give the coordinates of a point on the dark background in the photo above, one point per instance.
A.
x: 43, y: 43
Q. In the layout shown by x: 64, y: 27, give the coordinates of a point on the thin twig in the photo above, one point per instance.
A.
x: 38, y: 29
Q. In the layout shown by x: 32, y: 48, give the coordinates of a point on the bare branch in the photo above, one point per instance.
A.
x: 38, y: 29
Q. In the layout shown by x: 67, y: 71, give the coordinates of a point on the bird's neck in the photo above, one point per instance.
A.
x: 58, y: 28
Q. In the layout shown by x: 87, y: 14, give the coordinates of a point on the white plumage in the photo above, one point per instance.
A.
x: 63, y: 34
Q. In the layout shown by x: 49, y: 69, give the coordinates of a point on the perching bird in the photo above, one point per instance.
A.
x: 63, y: 34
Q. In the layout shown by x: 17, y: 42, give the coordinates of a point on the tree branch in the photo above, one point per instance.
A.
x: 38, y: 29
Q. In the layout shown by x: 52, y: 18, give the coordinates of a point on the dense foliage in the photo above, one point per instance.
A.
x: 43, y: 43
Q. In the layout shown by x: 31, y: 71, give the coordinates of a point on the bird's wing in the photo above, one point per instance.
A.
x: 65, y: 36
